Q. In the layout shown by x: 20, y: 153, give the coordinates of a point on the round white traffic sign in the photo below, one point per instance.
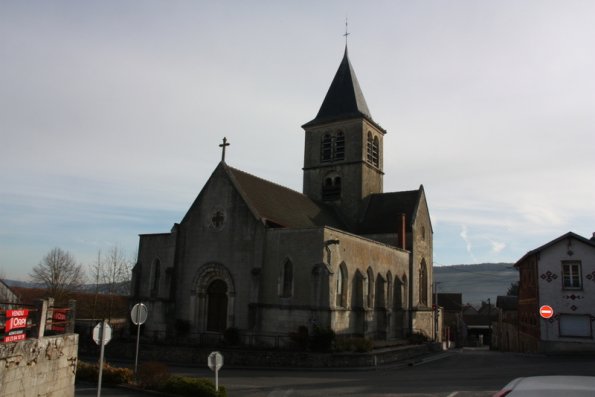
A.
x: 107, y: 333
x: 215, y: 361
x: 139, y: 313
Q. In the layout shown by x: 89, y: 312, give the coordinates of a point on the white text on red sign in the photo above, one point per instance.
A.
x: 16, y: 322
x: 14, y: 338
x: 17, y: 313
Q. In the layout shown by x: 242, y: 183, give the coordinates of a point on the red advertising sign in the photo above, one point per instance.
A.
x: 59, y: 320
x: 17, y: 313
x: 16, y: 323
x: 15, y: 337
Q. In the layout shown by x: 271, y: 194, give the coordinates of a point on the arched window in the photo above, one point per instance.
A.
x: 380, y: 292
x: 376, y: 152
x: 156, y: 276
x: 373, y: 150
x: 337, y: 182
x: 286, y: 280
x: 405, y: 291
x: 369, y: 147
x: 423, y: 283
x: 370, y: 289
x: 357, y: 295
x: 398, y: 294
x: 339, y: 146
x: 136, y: 277
x: 332, y: 147
x: 331, y: 187
x: 326, y: 153
x: 389, y: 290
x: 341, y: 291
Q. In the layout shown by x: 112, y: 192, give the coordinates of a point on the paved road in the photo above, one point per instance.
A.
x: 460, y: 374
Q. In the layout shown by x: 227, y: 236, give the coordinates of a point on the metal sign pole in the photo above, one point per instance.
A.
x: 215, y: 362
x: 138, y: 315
x: 102, y: 344
x: 137, y: 342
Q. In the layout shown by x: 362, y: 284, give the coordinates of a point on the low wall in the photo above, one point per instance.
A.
x: 43, y: 367
x: 564, y: 347
x: 264, y: 358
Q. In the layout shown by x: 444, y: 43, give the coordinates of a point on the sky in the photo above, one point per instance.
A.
x: 111, y: 114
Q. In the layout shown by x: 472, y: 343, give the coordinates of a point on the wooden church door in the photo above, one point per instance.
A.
x: 217, y: 306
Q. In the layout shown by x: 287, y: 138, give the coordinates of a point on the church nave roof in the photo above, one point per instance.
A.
x: 277, y: 205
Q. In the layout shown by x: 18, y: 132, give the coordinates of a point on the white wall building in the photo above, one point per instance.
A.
x: 560, y: 274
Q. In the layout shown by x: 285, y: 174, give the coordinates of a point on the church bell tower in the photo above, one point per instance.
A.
x: 343, y: 151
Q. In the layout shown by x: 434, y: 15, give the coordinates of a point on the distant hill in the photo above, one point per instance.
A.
x: 122, y: 288
x: 21, y: 284
x: 478, y: 282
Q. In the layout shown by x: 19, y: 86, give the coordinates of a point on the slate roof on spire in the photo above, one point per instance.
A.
x: 344, y: 98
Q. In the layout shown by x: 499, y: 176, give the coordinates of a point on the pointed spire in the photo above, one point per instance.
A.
x: 344, y: 98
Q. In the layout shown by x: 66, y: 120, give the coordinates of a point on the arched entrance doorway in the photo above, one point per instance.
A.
x: 212, y: 299
x: 217, y: 306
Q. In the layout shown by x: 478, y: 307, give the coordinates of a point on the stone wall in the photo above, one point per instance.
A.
x: 43, y: 367
x: 188, y: 355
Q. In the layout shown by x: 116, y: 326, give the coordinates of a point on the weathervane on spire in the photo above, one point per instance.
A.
x: 346, y: 31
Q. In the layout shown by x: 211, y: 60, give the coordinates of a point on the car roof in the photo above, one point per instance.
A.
x: 556, y: 385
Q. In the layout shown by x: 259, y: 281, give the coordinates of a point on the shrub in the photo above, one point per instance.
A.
x: 300, y: 338
x: 192, y: 387
x: 357, y: 344
x: 362, y: 345
x: 182, y: 327
x: 86, y: 372
x: 322, y: 339
x: 417, y: 338
x: 153, y: 374
x: 111, y: 375
x: 232, y: 337
x: 116, y: 376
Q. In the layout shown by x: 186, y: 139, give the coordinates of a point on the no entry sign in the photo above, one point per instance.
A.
x: 546, y: 311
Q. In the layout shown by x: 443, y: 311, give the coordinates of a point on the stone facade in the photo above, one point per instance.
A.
x: 43, y: 367
x: 264, y: 259
x: 359, y: 178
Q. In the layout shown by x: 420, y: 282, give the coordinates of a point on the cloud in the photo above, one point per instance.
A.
x: 465, y: 236
x: 497, y: 246
x: 113, y: 132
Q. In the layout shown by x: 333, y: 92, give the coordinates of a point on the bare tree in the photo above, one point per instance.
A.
x: 96, y: 273
x: 59, y: 273
x: 115, y: 270
x: 513, y: 290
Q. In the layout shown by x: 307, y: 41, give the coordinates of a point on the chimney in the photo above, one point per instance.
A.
x: 402, y: 233
x: 593, y: 237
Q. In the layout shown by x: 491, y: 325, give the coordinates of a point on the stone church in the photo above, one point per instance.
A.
x: 265, y: 259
